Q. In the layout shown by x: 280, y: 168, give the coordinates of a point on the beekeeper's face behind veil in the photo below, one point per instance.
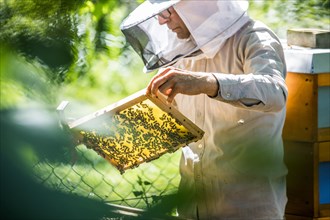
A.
x: 151, y: 28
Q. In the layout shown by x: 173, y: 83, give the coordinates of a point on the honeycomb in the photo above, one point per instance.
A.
x: 137, y: 131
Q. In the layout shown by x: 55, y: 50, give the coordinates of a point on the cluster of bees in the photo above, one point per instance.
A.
x: 140, y: 133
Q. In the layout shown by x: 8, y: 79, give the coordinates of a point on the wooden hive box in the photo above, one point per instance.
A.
x: 137, y: 129
x: 306, y: 133
x: 308, y: 180
x: 309, y: 37
x: 308, y: 104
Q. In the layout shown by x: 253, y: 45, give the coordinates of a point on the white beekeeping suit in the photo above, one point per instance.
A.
x: 158, y: 46
x: 236, y: 171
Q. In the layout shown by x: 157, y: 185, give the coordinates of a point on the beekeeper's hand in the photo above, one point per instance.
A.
x: 170, y: 81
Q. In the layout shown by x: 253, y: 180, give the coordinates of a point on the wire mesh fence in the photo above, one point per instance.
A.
x: 74, y: 182
x: 87, y: 174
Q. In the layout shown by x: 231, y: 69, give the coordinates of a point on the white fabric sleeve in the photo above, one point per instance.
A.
x: 262, y: 85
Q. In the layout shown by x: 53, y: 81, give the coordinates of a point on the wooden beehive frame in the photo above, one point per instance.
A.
x: 104, y: 130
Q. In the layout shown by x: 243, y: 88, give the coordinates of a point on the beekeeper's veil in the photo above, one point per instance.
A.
x: 210, y: 23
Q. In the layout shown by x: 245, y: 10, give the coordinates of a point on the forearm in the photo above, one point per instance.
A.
x: 171, y: 81
x: 211, y: 85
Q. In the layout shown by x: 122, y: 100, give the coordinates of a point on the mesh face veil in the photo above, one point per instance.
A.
x: 158, y: 46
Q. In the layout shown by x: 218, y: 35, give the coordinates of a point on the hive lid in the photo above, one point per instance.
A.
x: 309, y: 37
x: 307, y: 60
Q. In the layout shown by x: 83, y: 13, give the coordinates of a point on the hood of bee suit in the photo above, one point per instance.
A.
x: 210, y: 22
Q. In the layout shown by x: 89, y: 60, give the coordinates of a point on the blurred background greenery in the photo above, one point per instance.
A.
x: 55, y: 50
x: 74, y: 50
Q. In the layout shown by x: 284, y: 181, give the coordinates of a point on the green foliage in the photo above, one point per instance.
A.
x: 40, y: 29
x: 73, y: 45
x: 282, y: 15
x: 24, y: 83
x: 143, y: 192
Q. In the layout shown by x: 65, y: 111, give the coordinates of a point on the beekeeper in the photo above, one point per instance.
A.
x: 225, y: 72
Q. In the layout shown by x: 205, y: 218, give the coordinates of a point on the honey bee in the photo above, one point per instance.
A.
x: 140, y: 133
